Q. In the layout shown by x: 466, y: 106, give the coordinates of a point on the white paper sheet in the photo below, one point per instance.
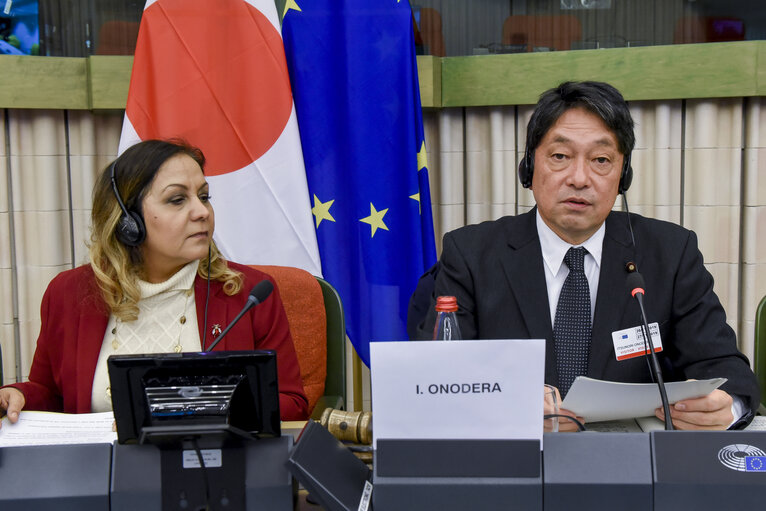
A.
x: 598, y: 400
x: 46, y: 428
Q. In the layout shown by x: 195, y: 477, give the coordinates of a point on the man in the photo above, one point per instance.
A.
x: 512, y: 276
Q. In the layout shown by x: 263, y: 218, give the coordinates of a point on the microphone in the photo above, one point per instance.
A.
x: 636, y: 285
x: 259, y: 293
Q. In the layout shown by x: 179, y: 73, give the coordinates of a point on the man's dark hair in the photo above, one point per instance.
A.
x: 598, y: 98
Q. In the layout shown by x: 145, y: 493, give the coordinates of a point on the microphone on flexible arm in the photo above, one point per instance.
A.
x: 259, y: 293
x: 636, y: 285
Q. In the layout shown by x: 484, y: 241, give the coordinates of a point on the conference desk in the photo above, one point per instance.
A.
x: 642, y: 471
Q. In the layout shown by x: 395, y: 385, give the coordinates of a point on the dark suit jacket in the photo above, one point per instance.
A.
x: 74, y: 320
x: 495, y: 269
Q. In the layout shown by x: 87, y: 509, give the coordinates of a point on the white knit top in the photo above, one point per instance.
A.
x: 167, y: 322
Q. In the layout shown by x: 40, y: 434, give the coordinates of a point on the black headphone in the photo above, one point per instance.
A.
x: 130, y: 228
x: 527, y: 168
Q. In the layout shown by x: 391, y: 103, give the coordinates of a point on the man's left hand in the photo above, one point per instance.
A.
x: 708, y: 412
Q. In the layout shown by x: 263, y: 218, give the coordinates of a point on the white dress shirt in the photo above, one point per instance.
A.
x: 554, y: 249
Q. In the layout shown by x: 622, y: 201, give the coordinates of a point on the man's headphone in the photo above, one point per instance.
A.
x: 527, y: 168
x: 130, y: 228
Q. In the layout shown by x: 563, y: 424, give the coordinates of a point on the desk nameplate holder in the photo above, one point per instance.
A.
x: 706, y: 470
x: 585, y: 471
x: 456, y: 474
x: 60, y: 477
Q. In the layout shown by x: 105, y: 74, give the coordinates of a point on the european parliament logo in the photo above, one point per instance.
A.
x: 743, y: 458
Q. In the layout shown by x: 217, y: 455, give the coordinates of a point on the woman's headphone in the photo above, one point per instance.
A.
x: 130, y: 228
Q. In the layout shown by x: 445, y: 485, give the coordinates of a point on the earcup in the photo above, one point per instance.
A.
x: 130, y: 229
x: 526, y: 168
x: 626, y: 178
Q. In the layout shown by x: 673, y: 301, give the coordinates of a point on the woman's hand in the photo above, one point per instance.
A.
x: 11, y: 401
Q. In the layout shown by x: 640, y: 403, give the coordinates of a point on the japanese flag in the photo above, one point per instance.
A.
x: 214, y: 73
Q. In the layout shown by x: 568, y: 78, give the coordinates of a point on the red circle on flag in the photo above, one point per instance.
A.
x: 214, y: 74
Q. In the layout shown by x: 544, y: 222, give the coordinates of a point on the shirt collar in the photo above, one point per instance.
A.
x: 554, y: 248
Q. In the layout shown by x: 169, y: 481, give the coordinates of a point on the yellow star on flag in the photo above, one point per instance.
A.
x: 321, y: 210
x: 417, y: 198
x: 422, y: 158
x: 375, y: 219
x: 290, y: 4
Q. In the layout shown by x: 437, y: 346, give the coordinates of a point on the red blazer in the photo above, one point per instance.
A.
x: 74, y: 319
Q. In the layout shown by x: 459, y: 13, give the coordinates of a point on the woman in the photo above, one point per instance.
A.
x: 146, y: 289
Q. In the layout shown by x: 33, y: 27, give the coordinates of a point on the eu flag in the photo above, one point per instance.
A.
x: 354, y: 80
x: 755, y: 463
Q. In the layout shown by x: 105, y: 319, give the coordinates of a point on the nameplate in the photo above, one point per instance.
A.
x: 457, y: 458
x: 490, y: 389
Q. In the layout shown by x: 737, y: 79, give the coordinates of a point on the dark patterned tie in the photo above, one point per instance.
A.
x: 571, y: 328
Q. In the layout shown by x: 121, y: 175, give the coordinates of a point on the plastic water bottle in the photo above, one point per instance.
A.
x: 446, y: 328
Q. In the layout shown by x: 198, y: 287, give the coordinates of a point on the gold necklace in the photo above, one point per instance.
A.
x: 181, y: 320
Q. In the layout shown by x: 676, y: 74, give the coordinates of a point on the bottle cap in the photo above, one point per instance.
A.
x: 446, y: 304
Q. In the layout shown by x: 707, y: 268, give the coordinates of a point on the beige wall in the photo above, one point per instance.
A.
x: 701, y: 163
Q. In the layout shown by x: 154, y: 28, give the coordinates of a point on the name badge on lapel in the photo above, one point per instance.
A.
x: 629, y: 343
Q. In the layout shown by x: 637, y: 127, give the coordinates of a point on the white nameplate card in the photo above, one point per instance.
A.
x: 458, y: 389
x: 629, y: 343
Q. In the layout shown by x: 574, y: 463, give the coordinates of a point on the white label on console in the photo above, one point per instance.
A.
x: 364, y: 502
x: 211, y: 457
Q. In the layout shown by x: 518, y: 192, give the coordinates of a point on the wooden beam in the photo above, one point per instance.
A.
x: 646, y: 73
x: 43, y: 82
x: 713, y: 70
x: 109, y: 81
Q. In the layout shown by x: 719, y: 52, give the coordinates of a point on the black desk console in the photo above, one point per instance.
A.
x: 128, y: 477
x: 47, y: 477
x: 662, y: 470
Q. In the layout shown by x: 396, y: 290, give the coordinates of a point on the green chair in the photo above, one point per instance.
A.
x: 335, y: 382
x: 760, y: 351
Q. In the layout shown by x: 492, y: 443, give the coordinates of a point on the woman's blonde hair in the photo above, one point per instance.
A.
x: 117, y: 266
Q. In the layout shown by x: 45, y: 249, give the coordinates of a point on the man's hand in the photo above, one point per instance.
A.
x: 565, y: 425
x: 708, y: 412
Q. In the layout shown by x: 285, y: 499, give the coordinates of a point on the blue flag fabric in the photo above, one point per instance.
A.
x: 354, y: 79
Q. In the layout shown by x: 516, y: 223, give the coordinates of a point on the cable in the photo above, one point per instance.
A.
x: 580, y: 425
x: 630, y: 226
x: 205, y: 480
x: 207, y: 297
